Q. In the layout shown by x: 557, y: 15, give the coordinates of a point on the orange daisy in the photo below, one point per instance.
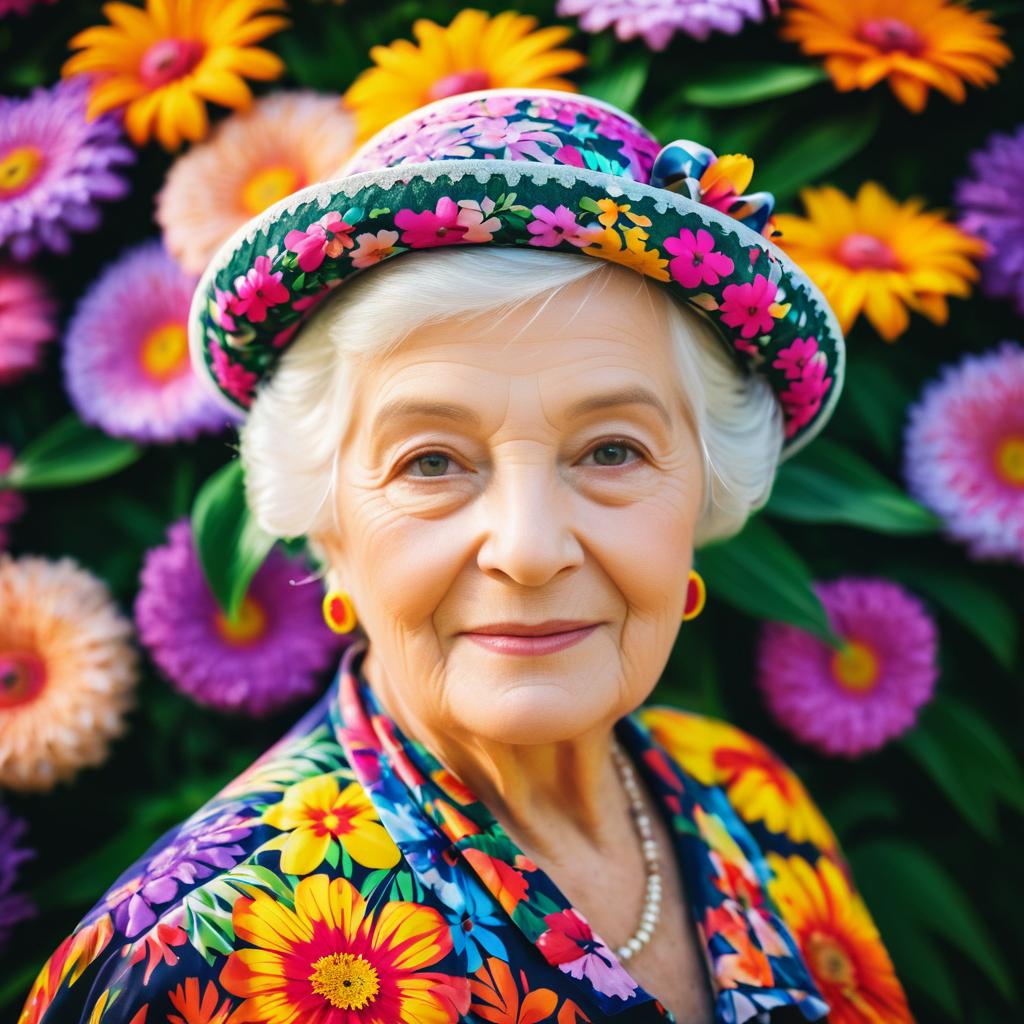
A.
x: 915, y: 44
x: 875, y: 255
x: 475, y: 51
x: 331, y: 959
x: 284, y: 142
x: 839, y: 941
x: 161, y: 63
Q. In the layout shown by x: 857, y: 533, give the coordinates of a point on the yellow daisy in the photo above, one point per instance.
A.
x: 161, y: 63
x: 475, y: 51
x: 914, y: 44
x: 874, y: 255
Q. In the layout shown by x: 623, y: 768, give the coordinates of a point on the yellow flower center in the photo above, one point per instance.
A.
x: 168, y: 59
x: 860, y: 251
x: 459, y: 81
x: 269, y: 185
x: 164, y: 351
x: 22, y: 676
x: 247, y: 627
x: 856, y: 667
x: 888, y: 34
x: 18, y: 169
x: 345, y: 980
x: 830, y: 961
x: 330, y: 822
x: 1010, y: 460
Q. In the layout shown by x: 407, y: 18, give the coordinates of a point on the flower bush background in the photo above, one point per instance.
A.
x: 866, y: 624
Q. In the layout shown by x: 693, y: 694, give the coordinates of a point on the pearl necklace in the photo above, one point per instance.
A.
x: 652, y: 862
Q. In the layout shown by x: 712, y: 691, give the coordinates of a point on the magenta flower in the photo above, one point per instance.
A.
x: 964, y: 451
x: 696, y: 261
x: 271, y: 656
x: 804, y: 366
x: 28, y: 321
x: 329, y: 236
x: 234, y: 378
x: 748, y: 306
x: 21, y: 7
x: 429, y: 229
x: 558, y: 225
x: 850, y: 702
x: 258, y: 289
x: 126, y: 361
x: 12, y: 505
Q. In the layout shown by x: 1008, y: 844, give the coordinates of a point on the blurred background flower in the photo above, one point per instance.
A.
x: 914, y: 45
x: 992, y: 208
x: 28, y: 321
x: 21, y: 7
x: 15, y: 906
x: 126, y: 360
x: 657, y: 21
x: 68, y: 669
x: 162, y: 64
x: 847, y: 703
x: 475, y: 51
x: 55, y: 167
x: 12, y: 505
x: 284, y: 142
x: 964, y: 451
x: 874, y: 255
x: 269, y: 658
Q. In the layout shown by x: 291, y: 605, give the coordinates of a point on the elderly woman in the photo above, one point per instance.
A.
x: 504, y: 451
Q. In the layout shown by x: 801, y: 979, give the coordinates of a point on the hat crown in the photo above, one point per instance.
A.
x: 547, y: 126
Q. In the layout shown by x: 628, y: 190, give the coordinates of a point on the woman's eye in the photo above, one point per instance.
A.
x: 612, y: 453
x: 431, y: 464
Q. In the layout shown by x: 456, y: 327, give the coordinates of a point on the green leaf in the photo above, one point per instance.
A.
x: 977, y: 608
x: 816, y: 148
x: 759, y: 573
x: 69, y: 453
x: 622, y: 81
x: 906, y: 881
x: 737, y: 83
x: 827, y: 483
x: 878, y: 397
x: 231, y: 547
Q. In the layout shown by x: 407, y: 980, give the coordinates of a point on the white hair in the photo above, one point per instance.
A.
x: 291, y: 440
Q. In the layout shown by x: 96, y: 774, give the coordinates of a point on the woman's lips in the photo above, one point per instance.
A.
x: 531, y: 645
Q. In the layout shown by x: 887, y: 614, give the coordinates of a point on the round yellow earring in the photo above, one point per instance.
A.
x: 339, y: 612
x: 696, y: 594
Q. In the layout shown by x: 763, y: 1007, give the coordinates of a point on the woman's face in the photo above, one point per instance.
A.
x: 534, y: 467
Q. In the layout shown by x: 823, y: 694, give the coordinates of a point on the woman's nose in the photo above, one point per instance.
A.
x: 528, y: 524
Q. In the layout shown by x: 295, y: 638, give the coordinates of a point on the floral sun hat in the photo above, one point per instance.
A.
x: 527, y: 167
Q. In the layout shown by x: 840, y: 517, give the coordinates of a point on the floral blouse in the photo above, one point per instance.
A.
x: 347, y: 877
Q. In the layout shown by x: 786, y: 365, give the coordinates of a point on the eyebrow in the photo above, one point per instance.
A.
x: 400, y: 408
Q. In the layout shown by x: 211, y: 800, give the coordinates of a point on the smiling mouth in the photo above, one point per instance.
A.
x: 534, y: 644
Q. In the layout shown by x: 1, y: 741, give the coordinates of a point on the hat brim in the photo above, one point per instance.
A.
x: 771, y: 317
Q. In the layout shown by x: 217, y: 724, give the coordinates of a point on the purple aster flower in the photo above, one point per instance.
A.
x: 126, y: 360
x: 55, y: 166
x: 964, y: 451
x: 192, y: 855
x: 658, y: 20
x: 270, y: 657
x: 12, y: 505
x: 991, y: 210
x: 15, y: 907
x: 849, y: 702
x: 28, y: 321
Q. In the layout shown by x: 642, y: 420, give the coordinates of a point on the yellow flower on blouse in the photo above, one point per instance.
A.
x: 838, y: 940
x: 316, y: 813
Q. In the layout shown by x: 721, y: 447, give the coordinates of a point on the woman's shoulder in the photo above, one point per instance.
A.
x: 169, y: 923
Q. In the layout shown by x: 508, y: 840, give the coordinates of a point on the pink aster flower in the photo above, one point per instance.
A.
x: 850, y: 702
x: 558, y: 225
x: 329, y: 236
x: 749, y: 306
x: 429, y: 229
x: 696, y: 261
x: 964, y: 451
x: 804, y: 365
x: 258, y: 289
x: 270, y: 657
x: 12, y: 505
x: 28, y: 321
x: 234, y: 378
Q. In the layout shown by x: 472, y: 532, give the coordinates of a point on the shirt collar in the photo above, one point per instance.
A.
x: 754, y: 963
